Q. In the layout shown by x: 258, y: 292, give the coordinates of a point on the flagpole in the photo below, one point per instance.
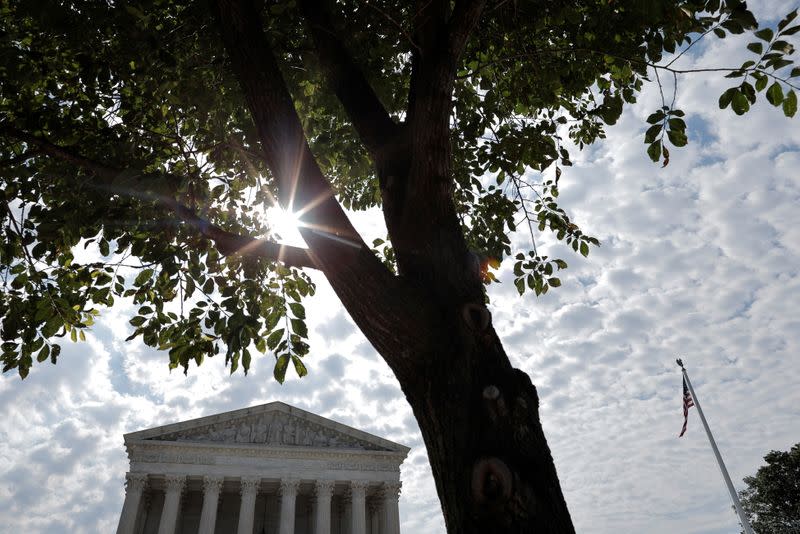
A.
x: 736, y: 504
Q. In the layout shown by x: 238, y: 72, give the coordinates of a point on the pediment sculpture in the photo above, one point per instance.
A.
x: 272, y: 428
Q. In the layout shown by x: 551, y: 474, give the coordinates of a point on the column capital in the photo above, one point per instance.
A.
x: 391, y: 490
x: 323, y: 488
x: 135, y: 482
x: 359, y: 487
x: 175, y: 483
x: 212, y: 484
x: 374, y: 505
x: 249, y: 485
x: 289, y: 486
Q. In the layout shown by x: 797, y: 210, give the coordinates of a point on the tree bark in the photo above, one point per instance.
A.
x: 478, y: 415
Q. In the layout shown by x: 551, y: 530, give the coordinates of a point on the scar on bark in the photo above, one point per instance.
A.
x: 495, y: 404
x: 492, y: 482
x: 476, y: 316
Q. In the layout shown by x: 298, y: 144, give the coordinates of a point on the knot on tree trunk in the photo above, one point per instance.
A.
x: 476, y: 316
x: 492, y: 483
x: 495, y: 404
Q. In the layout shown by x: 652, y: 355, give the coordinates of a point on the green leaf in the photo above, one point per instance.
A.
x: 749, y: 92
x: 298, y: 310
x: 555, y: 282
x: 656, y: 117
x: 275, y: 338
x: 584, y: 249
x: 727, y: 97
x: 677, y: 138
x: 519, y: 283
x: 787, y: 19
x: 756, y: 47
x: 677, y: 124
x: 735, y: 74
x: 761, y: 83
x: 43, y: 354
x: 299, y: 366
x: 740, y: 104
x: 654, y: 151
x: 775, y: 94
x: 280, y: 368
x: 765, y: 34
x: 651, y: 133
x: 778, y: 63
x: 143, y: 277
x: 246, y: 360
x: 782, y: 46
x: 299, y: 327
x: 790, y: 104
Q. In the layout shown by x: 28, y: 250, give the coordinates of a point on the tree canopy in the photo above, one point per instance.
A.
x: 124, y: 133
x: 772, y: 497
x: 141, y: 144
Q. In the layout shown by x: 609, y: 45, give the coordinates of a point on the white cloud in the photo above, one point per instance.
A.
x: 699, y: 259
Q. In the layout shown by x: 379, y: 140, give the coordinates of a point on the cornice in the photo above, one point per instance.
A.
x: 150, y: 451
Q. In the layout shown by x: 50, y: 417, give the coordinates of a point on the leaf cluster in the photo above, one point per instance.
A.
x: 145, y: 89
x: 772, y: 497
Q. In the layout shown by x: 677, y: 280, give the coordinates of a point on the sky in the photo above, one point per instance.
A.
x: 700, y: 259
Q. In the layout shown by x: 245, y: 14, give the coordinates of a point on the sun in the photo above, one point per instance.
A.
x: 284, y: 225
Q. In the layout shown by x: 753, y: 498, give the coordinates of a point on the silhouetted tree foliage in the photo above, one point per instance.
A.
x: 772, y: 497
x: 152, y: 134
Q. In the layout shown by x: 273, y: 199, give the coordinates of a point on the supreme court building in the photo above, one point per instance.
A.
x: 269, y: 469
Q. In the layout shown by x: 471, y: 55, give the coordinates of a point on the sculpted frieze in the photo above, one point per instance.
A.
x: 154, y: 452
x: 276, y: 428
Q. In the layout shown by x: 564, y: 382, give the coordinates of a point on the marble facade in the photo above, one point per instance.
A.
x: 269, y: 469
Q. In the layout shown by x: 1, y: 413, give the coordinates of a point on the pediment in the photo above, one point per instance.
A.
x: 275, y: 424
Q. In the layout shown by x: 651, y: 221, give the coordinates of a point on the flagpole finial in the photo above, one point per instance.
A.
x: 680, y: 362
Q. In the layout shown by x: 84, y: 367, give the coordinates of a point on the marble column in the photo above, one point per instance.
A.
x: 323, y: 491
x: 144, y: 510
x: 374, y: 509
x: 390, y: 493
x: 358, y: 507
x: 135, y: 484
x: 173, y: 487
x: 345, y: 512
x: 288, y: 491
x: 247, y: 508
x: 212, y: 486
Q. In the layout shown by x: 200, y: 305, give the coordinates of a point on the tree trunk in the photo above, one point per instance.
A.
x: 478, y: 415
x: 479, y: 419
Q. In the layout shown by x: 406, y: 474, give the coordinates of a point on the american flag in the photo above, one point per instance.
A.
x: 687, y: 403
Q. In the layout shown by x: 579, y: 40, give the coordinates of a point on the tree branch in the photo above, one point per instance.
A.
x: 374, y: 125
x: 460, y: 26
x: 444, y: 40
x: 395, y: 315
x: 302, y: 187
x: 227, y: 242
